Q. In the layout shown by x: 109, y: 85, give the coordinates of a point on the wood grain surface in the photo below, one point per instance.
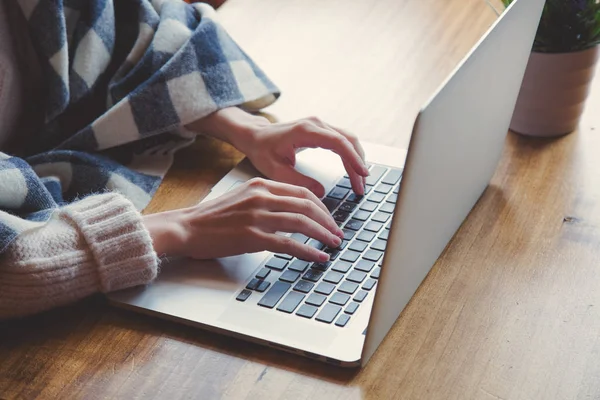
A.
x: 510, y: 311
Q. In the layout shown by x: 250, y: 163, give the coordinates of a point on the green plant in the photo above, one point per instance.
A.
x: 567, y: 25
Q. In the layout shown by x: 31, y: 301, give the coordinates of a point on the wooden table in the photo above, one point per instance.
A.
x: 510, y: 311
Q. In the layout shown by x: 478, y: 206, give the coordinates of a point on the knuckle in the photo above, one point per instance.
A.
x: 314, y: 119
x: 351, y: 136
x: 301, y: 219
x: 305, y: 125
x: 342, y: 141
x: 259, y: 199
x: 286, y: 242
x: 248, y: 231
x: 307, y: 206
x: 257, y: 183
x: 304, y: 193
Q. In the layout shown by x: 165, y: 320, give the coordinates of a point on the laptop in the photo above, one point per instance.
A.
x: 340, y: 311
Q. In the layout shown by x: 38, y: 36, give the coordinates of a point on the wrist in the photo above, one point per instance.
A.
x: 167, y: 231
x: 232, y: 125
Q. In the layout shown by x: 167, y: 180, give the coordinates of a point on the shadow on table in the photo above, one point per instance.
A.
x: 92, y: 326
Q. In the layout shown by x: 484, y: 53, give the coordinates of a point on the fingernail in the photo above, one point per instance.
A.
x: 323, y: 257
x: 337, y: 241
x: 366, y: 171
x: 340, y: 233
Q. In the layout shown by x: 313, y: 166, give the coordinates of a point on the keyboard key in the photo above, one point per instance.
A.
x: 341, y: 266
x: 298, y: 265
x: 369, y: 284
x: 372, y: 255
x: 324, y: 288
x: 284, y: 256
x: 373, y: 226
x: 333, y: 277
x: 379, y: 244
x: 342, y: 320
x: 351, y: 308
x: 345, y: 183
x: 381, y: 216
x: 330, y: 203
x: 350, y: 256
x: 366, y: 236
x: 276, y: 263
x: 364, y: 266
x: 383, y: 188
x: 392, y: 177
x: 321, y: 266
x: 360, y: 296
x: 348, y: 207
x: 298, y: 237
x: 354, y: 225
x: 274, y: 294
x: 262, y: 286
x: 263, y: 273
x: 376, y: 197
x: 355, y: 198
x: 356, y: 276
x: 244, y: 294
x: 291, y: 301
x: 361, y: 215
x: 316, y: 244
x: 387, y: 208
x: 333, y: 253
x: 344, y: 243
x: 376, y: 173
x: 368, y: 206
x: 348, y: 287
x: 316, y: 299
x: 312, y: 275
x: 307, y: 311
x: 338, y: 193
x: 348, y: 235
x: 341, y: 216
x: 375, y: 273
x: 389, y: 225
x: 396, y: 189
x: 289, y: 276
x: 368, y: 189
x: 384, y: 235
x: 328, y: 313
x: 253, y: 284
x: 392, y: 199
x: 304, y: 286
x: 358, y: 246
x: 339, y: 298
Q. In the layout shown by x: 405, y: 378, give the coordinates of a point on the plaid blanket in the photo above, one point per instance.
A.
x: 122, y: 78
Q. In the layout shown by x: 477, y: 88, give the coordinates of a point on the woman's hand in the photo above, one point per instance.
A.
x: 245, y: 220
x: 272, y: 147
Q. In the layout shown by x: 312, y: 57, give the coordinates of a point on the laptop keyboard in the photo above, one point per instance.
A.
x: 331, y: 292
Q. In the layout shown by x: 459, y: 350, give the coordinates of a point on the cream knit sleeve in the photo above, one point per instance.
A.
x: 98, y: 244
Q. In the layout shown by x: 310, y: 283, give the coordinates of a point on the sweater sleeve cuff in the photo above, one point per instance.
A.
x: 119, y: 242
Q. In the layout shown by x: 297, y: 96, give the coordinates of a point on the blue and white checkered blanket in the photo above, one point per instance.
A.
x: 122, y: 78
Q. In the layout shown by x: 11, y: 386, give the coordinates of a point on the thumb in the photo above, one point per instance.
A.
x: 287, y: 174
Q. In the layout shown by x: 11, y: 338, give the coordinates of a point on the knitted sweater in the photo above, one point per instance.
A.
x: 121, y: 79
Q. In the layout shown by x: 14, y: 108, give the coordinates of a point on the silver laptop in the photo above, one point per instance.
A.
x: 340, y: 311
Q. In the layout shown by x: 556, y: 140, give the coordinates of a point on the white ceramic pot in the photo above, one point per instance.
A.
x: 553, y: 92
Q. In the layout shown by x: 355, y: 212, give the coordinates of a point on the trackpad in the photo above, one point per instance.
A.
x: 224, y: 274
x: 191, y: 289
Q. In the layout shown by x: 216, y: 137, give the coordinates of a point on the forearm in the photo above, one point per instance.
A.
x: 232, y: 125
